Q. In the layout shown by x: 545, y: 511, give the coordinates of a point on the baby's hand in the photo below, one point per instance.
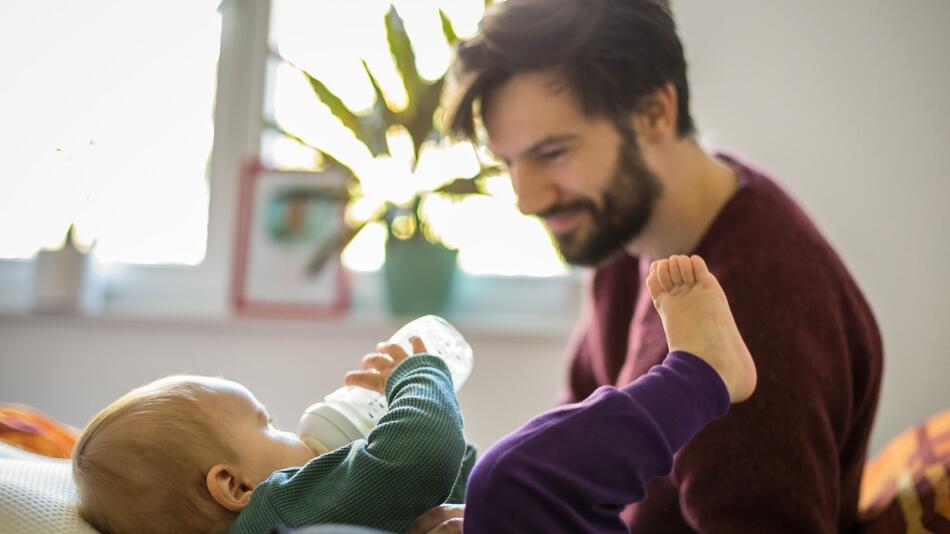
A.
x: 377, y: 366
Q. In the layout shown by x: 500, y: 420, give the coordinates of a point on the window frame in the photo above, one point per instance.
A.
x: 202, y: 291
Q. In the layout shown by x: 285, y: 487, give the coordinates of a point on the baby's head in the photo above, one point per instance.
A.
x: 182, y: 454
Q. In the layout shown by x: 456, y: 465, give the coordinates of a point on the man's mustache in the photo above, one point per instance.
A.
x: 580, y: 205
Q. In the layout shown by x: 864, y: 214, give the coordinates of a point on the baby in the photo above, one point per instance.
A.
x: 199, y: 454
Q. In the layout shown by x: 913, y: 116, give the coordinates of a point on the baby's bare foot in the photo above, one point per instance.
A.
x: 697, y: 320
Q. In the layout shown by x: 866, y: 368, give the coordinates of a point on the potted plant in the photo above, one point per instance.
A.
x: 64, y: 278
x: 419, y: 268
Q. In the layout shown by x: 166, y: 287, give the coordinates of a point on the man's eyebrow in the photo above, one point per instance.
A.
x: 542, y: 144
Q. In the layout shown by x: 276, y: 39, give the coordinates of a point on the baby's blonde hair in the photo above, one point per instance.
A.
x: 141, y: 463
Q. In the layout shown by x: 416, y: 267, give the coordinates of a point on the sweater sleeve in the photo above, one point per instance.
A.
x: 457, y: 496
x: 573, y: 469
x: 408, y: 464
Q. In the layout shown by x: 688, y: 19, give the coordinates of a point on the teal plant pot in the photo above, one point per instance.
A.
x: 419, y: 275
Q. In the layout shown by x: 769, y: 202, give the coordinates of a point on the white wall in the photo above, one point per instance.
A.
x: 845, y: 102
x: 71, y: 367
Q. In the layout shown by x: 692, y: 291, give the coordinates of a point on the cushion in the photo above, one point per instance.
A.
x: 39, y: 496
x: 907, y: 488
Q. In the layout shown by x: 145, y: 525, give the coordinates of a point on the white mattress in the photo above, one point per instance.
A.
x: 38, y: 496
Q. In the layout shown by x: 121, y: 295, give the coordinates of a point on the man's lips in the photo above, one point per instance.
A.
x: 562, y: 220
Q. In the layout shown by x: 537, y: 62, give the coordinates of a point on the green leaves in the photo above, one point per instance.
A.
x: 473, y: 185
x: 403, y: 56
x: 328, y: 160
x: 423, y: 96
x: 371, y: 137
x: 423, y: 99
x: 448, y: 30
x: 380, y: 117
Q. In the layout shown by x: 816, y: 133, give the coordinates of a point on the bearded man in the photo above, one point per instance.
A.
x: 587, y: 103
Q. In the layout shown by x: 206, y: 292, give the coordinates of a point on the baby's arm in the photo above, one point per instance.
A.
x: 413, y: 456
x: 457, y: 496
x: 377, y: 368
x: 407, y: 465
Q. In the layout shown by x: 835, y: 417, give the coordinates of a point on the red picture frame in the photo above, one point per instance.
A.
x: 286, y: 254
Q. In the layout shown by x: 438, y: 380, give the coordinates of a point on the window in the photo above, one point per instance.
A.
x: 101, y: 132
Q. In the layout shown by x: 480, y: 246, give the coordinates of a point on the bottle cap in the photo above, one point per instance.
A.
x: 325, y: 425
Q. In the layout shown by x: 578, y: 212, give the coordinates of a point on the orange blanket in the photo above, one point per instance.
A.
x: 33, y: 431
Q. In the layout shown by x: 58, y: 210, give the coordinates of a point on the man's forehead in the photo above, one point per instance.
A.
x: 526, y: 110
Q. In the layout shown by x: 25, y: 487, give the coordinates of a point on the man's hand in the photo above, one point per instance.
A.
x: 377, y: 366
x: 444, y: 519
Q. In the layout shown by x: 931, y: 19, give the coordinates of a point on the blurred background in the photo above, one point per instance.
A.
x: 133, y: 123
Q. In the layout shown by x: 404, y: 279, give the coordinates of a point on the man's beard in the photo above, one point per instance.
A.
x: 625, y: 208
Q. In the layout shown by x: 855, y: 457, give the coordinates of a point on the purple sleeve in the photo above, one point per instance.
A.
x: 573, y: 469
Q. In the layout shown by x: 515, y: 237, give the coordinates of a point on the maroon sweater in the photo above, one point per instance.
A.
x: 790, y: 458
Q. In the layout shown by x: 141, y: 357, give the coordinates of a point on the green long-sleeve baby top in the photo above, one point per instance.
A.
x: 413, y: 460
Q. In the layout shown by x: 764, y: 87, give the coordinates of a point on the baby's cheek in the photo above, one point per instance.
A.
x: 299, y: 450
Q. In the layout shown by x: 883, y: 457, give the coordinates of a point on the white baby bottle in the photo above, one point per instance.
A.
x: 350, y: 412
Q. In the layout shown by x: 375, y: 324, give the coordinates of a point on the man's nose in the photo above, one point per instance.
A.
x: 535, y: 191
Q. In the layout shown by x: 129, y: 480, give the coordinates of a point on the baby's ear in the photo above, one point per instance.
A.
x: 228, y: 488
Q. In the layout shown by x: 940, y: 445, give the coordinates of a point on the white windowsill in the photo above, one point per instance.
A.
x: 191, y: 297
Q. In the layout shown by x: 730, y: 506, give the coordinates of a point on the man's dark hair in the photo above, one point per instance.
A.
x: 609, y: 53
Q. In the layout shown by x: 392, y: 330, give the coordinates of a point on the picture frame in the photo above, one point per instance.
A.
x: 287, y: 262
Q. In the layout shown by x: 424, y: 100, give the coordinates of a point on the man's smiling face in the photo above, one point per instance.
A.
x: 583, y: 176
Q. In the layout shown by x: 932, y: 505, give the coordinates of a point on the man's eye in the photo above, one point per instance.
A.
x: 552, y: 154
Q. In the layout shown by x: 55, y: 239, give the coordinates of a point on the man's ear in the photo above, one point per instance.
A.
x: 655, y: 116
x: 228, y: 488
